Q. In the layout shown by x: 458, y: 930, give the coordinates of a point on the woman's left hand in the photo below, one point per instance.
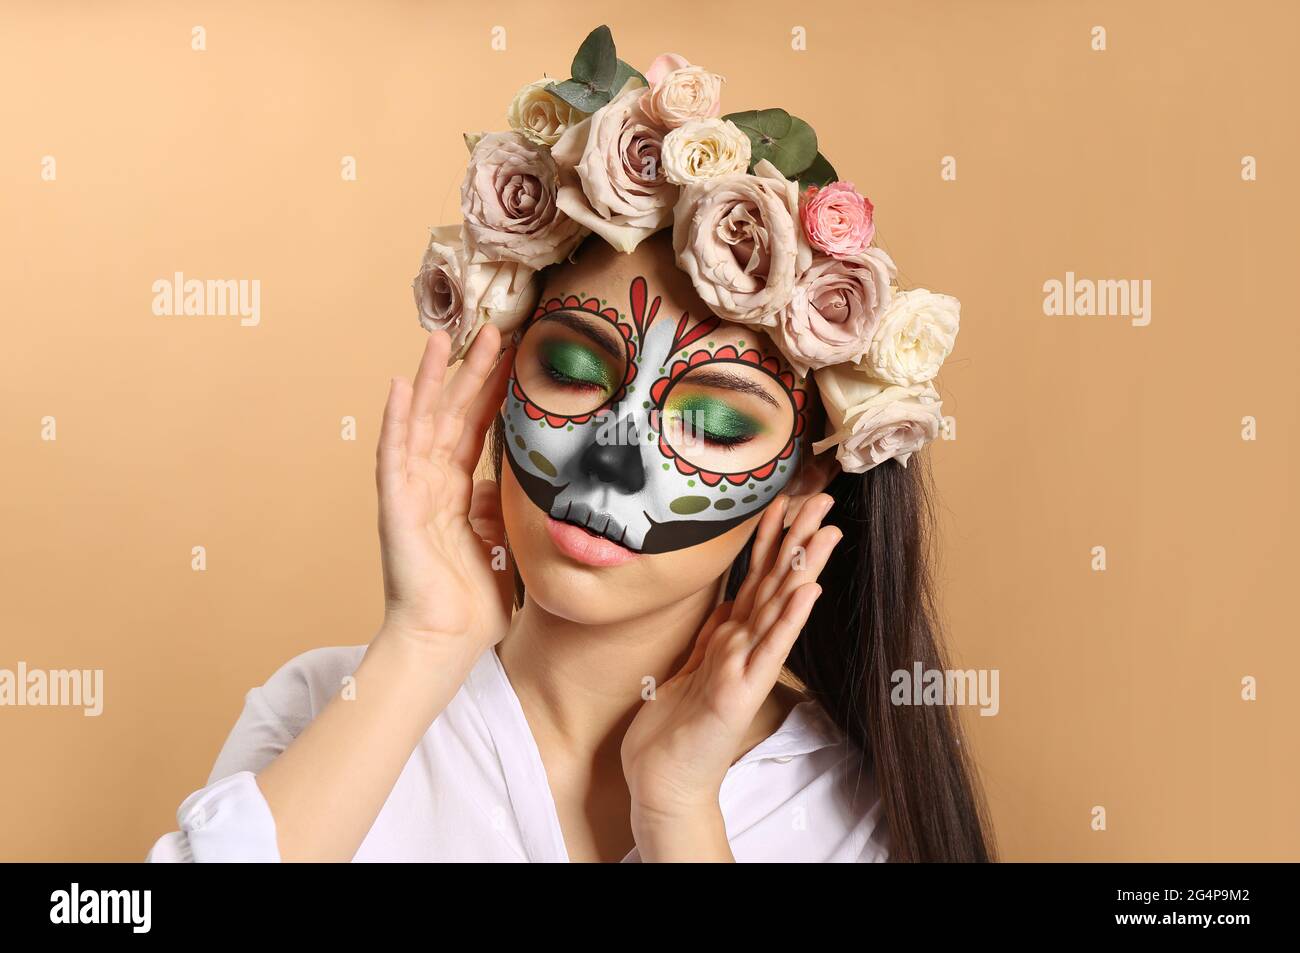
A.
x: 683, y: 740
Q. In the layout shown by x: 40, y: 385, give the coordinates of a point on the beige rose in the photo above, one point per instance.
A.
x: 834, y: 310
x: 455, y: 295
x: 916, y: 334
x: 683, y: 94
x: 737, y: 238
x: 871, y: 421
x: 508, y: 200
x: 611, y: 172
x: 705, y: 149
x: 540, y: 117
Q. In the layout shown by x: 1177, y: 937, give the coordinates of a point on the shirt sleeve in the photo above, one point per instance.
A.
x: 229, y: 819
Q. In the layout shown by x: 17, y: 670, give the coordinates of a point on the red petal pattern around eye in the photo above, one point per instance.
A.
x: 771, y: 365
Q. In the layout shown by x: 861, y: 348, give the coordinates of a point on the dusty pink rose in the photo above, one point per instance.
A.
x: 870, y: 421
x: 611, y: 172
x: 837, y: 220
x: 459, y: 297
x: 508, y: 200
x: 737, y: 238
x: 835, y: 309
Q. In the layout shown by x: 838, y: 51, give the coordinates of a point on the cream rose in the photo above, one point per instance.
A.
x: 682, y: 94
x: 508, y: 200
x: 540, y: 117
x: 611, y: 172
x: 916, y: 334
x: 459, y: 297
x: 705, y: 149
x: 834, y: 310
x: 737, y: 237
x: 871, y: 421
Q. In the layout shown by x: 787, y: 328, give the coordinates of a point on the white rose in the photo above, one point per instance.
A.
x: 540, y: 117
x: 458, y: 296
x: 704, y: 149
x: 916, y: 334
x: 871, y: 421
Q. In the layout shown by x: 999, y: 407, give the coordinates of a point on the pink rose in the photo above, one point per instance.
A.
x: 835, y: 309
x: 611, y: 172
x: 664, y: 64
x: 736, y: 237
x: 508, y: 200
x: 837, y: 220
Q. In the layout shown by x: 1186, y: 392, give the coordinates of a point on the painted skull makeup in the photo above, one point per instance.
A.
x: 644, y: 429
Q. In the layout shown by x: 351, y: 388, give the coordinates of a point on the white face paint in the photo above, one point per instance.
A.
x: 642, y: 429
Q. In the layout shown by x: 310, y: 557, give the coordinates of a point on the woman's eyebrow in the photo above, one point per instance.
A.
x: 575, y: 323
x: 729, y: 381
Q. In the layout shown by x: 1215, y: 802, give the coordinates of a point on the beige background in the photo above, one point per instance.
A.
x: 1119, y: 689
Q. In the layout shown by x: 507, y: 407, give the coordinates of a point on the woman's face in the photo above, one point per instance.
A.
x: 643, y: 436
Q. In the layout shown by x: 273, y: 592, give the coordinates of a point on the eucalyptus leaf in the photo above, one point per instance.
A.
x: 762, y: 126
x: 786, y: 141
x: 579, y: 95
x: 796, y: 150
x: 623, y: 74
x: 820, y: 173
x: 596, y: 62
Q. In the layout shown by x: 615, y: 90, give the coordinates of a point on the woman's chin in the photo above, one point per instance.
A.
x: 581, y: 594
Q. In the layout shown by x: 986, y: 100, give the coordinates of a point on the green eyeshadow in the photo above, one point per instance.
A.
x: 576, y: 362
x: 715, y: 418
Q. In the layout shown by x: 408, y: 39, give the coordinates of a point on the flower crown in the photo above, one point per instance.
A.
x: 767, y: 233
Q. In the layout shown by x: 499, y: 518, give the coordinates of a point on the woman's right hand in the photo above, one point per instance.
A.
x: 440, y: 586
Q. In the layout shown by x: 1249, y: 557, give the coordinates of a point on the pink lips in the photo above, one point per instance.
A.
x: 578, y: 544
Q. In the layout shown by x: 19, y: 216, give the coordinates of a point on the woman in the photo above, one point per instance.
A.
x: 649, y: 638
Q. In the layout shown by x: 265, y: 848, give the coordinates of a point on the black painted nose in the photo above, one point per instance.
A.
x: 617, y: 462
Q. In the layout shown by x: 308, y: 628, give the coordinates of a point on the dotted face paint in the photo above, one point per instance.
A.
x: 642, y: 428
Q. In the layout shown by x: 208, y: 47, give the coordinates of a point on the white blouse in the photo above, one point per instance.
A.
x: 475, y: 788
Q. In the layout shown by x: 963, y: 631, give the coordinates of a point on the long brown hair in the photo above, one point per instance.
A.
x: 876, y: 616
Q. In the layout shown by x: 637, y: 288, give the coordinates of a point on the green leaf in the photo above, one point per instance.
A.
x: 579, y: 95
x: 622, y: 74
x: 820, y: 173
x: 596, y: 62
x: 786, y: 141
